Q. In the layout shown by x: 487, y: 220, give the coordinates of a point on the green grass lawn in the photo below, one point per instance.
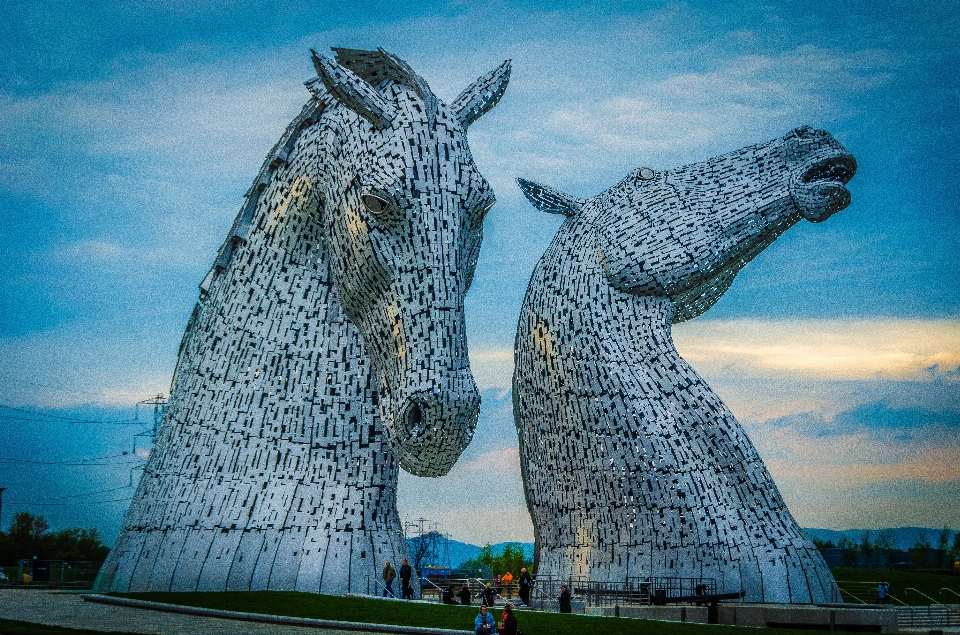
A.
x: 352, y: 609
x: 899, y: 580
x: 15, y: 627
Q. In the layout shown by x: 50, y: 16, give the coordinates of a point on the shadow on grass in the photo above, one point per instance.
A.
x: 16, y: 627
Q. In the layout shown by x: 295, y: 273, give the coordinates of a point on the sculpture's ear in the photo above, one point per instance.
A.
x: 481, y: 95
x: 354, y: 93
x: 547, y: 199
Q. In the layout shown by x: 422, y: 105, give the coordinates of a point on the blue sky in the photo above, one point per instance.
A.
x: 129, y: 132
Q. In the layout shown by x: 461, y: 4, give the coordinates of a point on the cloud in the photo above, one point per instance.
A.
x: 880, y: 350
x: 504, y: 462
x: 896, y: 503
x: 687, y: 116
x: 871, y: 465
x: 113, y: 364
x: 492, y: 368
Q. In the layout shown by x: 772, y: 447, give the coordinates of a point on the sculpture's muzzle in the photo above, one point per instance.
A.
x: 434, y: 423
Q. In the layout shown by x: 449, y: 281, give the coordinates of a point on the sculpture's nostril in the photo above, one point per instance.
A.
x: 415, y: 415
x: 414, y: 418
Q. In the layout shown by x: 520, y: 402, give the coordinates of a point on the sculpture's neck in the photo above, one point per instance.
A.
x: 636, y: 328
x: 629, y: 326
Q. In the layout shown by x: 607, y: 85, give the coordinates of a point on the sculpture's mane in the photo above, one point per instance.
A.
x: 373, y: 67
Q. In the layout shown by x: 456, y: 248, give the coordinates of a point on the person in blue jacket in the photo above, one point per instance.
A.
x: 484, y: 623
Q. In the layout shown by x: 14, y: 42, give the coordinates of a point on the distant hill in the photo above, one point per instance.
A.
x: 903, y: 537
x: 459, y: 552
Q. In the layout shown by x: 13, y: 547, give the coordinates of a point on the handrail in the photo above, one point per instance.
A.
x: 431, y: 583
x: 483, y: 585
x: 382, y: 586
x: 942, y: 589
x: 910, y: 588
x: 842, y: 590
x: 896, y: 599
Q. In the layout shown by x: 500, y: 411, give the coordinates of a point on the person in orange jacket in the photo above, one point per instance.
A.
x: 507, y: 582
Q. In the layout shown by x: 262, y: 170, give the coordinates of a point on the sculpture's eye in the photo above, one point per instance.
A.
x: 375, y: 205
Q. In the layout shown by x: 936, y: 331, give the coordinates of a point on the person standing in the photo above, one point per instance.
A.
x: 464, y: 595
x: 525, y: 583
x: 487, y: 595
x: 447, y: 595
x: 483, y: 623
x: 564, y: 600
x: 405, y: 574
x: 508, y: 583
x: 883, y: 590
x: 389, y: 575
x: 508, y: 624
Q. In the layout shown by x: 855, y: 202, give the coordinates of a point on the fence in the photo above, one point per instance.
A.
x: 928, y: 617
x: 631, y: 591
x: 875, y: 558
x: 56, y: 572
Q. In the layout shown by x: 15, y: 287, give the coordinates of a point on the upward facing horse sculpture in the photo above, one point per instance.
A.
x: 632, y: 466
x: 333, y: 313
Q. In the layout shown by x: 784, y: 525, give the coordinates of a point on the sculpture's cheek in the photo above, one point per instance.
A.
x: 623, y: 269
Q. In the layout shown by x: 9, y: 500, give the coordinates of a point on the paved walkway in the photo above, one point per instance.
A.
x: 69, y: 609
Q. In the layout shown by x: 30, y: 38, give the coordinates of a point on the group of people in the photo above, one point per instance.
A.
x: 484, y: 623
x: 390, y: 574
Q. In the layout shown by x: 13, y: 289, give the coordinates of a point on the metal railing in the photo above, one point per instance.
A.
x: 54, y: 572
x: 386, y: 592
x: 857, y: 590
x: 934, y: 616
x: 631, y: 591
x: 942, y: 589
x: 919, y: 592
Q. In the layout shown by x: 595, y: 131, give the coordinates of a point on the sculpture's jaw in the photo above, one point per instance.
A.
x: 820, y: 169
x: 821, y: 191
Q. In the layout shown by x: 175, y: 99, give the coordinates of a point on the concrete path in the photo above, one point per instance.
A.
x: 69, y: 609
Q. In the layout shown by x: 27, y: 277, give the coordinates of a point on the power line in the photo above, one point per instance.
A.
x: 103, y: 491
x: 34, y: 503
x: 85, y: 393
x: 130, y: 422
x: 73, y: 462
x: 43, y: 417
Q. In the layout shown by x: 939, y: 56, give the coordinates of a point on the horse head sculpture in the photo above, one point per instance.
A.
x: 730, y: 216
x: 328, y: 332
x: 632, y: 465
x: 404, y: 214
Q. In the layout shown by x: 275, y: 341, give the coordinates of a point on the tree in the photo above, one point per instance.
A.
x: 30, y: 536
x: 424, y: 549
x: 920, y: 554
x: 849, y: 550
x: 512, y: 559
x: 886, y: 539
x: 943, y: 540
x: 867, y: 547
